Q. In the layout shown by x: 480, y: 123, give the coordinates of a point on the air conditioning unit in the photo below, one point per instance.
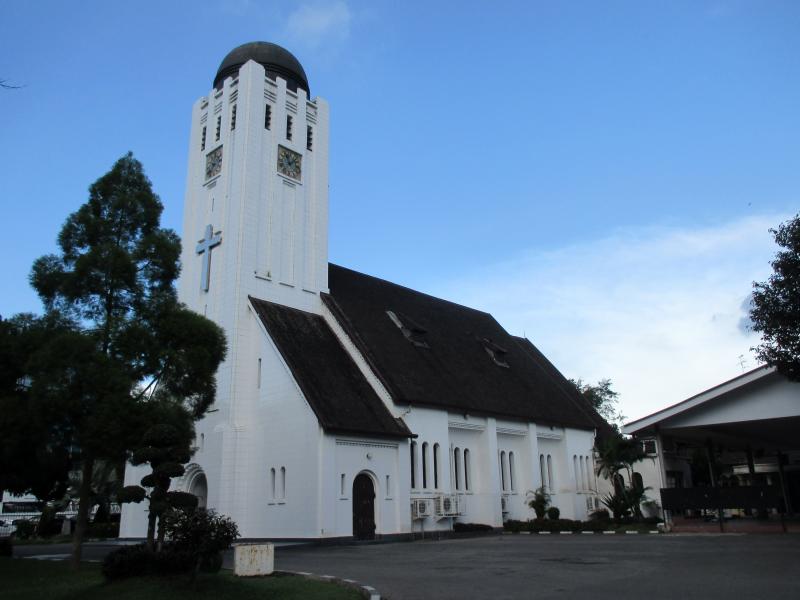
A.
x: 505, y: 503
x: 420, y: 508
x: 447, y: 506
x: 589, y: 503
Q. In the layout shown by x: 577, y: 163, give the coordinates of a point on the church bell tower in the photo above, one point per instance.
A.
x: 256, y: 207
x: 255, y: 224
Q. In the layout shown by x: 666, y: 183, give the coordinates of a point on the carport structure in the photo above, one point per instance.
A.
x: 734, y: 446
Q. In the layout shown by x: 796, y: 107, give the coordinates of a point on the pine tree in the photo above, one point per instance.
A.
x: 129, y: 342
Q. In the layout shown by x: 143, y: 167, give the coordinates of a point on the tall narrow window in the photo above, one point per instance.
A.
x: 219, y: 126
x: 413, y: 465
x: 550, y: 482
x: 466, y: 469
x: 542, y: 472
x: 457, y: 466
x: 341, y: 485
x: 258, y: 381
x: 589, y: 474
x: 283, y: 483
x: 436, y: 466
x: 577, y: 471
x: 309, y: 138
x: 272, y: 484
x: 288, y: 127
x: 203, y: 139
x: 388, y: 487
x: 268, y: 117
x: 425, y: 465
x: 503, y: 469
x: 202, y: 441
x: 233, y: 117
x: 511, y: 471
x: 583, y: 474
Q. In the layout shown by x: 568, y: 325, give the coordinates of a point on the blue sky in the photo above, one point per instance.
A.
x: 599, y: 176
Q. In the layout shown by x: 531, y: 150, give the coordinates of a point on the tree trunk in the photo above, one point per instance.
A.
x: 151, y: 530
x: 84, y: 505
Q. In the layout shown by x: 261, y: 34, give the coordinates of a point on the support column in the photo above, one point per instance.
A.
x: 662, y: 473
x: 494, y: 471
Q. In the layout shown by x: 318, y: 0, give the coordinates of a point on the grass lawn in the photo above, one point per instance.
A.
x: 27, y: 579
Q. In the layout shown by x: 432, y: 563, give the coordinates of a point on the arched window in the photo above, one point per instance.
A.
x: 272, y: 484
x: 503, y: 469
x: 413, y: 465
x: 542, y: 472
x: 511, y: 471
x: 425, y: 465
x: 550, y: 481
x: 466, y: 469
x: 436, y: 466
x: 283, y: 483
x: 202, y: 441
x: 457, y: 466
x: 583, y: 474
x: 592, y: 475
x: 342, y: 486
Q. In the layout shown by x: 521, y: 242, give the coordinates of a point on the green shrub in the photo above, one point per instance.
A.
x: 128, y: 561
x: 467, y: 527
x: 555, y: 525
x: 5, y: 547
x: 595, y: 525
x: 601, y: 514
x: 553, y: 513
x: 171, y: 560
x: 201, y: 533
x: 103, y: 530
x: 515, y: 526
x: 25, y: 529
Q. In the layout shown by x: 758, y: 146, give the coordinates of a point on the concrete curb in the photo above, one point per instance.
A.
x: 366, y: 591
x: 607, y: 532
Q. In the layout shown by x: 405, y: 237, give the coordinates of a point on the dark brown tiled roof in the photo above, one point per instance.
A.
x: 457, y: 362
x: 336, y: 390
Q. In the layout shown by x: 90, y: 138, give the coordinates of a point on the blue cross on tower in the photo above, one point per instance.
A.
x: 204, y: 247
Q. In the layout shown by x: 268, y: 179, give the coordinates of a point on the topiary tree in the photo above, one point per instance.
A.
x: 166, y: 446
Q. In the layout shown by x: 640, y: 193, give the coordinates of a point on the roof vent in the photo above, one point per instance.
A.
x: 497, y: 353
x: 413, y: 331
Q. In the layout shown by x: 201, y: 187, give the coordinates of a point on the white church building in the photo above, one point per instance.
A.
x: 348, y: 406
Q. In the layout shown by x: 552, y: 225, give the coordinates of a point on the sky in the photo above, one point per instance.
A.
x: 601, y: 177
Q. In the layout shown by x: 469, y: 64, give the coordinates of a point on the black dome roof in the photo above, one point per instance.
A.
x: 276, y: 61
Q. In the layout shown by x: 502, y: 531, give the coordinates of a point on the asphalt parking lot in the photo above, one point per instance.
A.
x: 544, y: 567
x: 729, y: 567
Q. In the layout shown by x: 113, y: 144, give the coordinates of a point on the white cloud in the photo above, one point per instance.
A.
x: 319, y: 23
x: 657, y: 310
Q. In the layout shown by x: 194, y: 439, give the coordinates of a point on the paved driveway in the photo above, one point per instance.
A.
x: 541, y: 567
x: 702, y: 567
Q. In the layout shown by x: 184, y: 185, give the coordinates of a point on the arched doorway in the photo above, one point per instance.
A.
x: 194, y: 482
x: 363, y: 508
x: 199, y: 488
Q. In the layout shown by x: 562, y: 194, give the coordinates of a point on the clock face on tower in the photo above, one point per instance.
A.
x: 289, y: 163
x: 214, y: 163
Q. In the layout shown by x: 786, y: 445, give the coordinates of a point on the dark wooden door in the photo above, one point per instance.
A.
x: 363, y: 508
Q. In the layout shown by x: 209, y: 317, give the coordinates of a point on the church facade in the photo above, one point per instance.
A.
x: 348, y: 406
